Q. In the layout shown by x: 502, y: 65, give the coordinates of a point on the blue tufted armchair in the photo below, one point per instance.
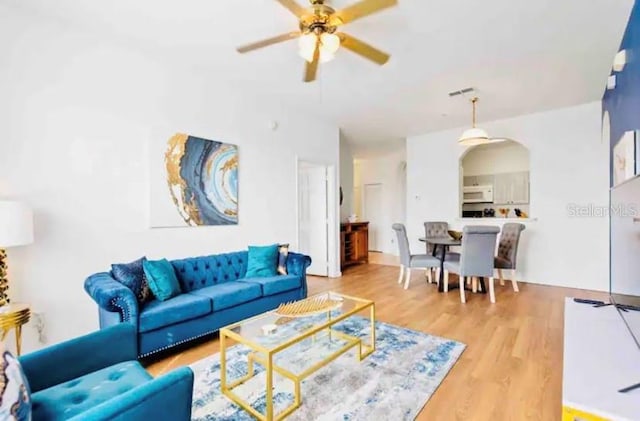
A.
x: 96, y: 377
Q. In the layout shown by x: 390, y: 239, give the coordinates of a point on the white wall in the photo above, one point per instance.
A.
x: 389, y: 171
x: 77, y: 116
x: 346, y: 179
x: 500, y: 158
x: 568, y: 166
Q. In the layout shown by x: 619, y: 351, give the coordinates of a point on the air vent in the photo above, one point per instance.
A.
x: 461, y: 92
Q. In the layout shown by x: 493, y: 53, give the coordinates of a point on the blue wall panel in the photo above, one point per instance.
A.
x: 623, y: 102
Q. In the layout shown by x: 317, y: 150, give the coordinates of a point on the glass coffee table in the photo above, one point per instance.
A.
x: 276, y: 341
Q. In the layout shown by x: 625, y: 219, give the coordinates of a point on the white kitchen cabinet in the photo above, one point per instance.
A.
x: 520, y: 188
x: 511, y: 188
x: 501, y: 189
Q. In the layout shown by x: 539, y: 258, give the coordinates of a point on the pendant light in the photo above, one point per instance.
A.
x: 474, y: 135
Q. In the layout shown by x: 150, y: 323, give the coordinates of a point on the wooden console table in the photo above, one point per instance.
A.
x: 354, y: 243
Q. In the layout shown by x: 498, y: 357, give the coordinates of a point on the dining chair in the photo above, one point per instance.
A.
x: 408, y: 260
x: 476, y: 258
x: 508, y: 251
x: 435, y: 229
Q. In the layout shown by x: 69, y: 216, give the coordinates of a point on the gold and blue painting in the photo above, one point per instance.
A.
x: 200, y: 178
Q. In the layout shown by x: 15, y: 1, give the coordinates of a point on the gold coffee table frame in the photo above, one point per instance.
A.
x: 265, y: 355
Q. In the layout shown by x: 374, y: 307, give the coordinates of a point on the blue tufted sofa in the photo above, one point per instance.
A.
x: 215, y: 294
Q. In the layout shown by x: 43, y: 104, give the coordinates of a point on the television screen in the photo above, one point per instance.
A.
x: 625, y: 252
x: 629, y: 308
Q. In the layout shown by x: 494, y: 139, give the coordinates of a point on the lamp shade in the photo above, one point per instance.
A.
x: 474, y: 136
x: 330, y: 42
x: 16, y: 224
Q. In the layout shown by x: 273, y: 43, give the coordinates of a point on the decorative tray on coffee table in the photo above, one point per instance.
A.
x: 306, y: 308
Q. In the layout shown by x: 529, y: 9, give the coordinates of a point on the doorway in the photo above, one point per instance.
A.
x: 313, y: 206
x: 372, y: 212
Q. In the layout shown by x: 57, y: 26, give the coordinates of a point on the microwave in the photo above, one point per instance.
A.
x: 477, y: 194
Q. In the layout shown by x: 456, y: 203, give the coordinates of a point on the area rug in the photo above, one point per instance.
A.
x: 393, y: 383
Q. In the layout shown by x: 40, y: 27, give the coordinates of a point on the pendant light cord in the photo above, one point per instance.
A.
x: 474, y: 100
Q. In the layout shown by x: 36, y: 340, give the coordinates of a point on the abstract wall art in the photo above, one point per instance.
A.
x: 194, y: 182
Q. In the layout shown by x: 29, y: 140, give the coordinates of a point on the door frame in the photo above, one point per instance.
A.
x: 364, y: 212
x: 333, y: 212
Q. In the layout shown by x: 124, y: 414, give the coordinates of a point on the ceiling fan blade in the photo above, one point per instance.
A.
x: 267, y: 42
x: 311, y: 69
x: 364, y: 8
x: 293, y: 7
x: 363, y: 49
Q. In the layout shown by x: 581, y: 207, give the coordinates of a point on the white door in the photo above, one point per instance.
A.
x: 312, y: 216
x: 372, y: 212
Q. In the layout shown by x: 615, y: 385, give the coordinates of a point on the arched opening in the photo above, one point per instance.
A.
x: 495, y: 181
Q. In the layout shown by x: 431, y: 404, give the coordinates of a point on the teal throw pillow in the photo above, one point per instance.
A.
x: 161, y: 278
x: 262, y: 262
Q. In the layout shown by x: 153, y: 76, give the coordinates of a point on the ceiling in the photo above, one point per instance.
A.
x: 523, y: 56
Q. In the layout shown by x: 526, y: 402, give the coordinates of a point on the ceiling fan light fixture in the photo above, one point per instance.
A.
x: 329, y: 44
x: 318, y: 39
x: 307, y: 45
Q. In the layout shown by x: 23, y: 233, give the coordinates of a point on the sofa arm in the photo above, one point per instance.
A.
x: 297, y: 264
x: 75, y: 358
x: 165, y: 398
x: 111, y: 295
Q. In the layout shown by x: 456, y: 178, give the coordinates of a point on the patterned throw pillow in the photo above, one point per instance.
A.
x: 283, y: 252
x: 15, y: 399
x: 133, y: 277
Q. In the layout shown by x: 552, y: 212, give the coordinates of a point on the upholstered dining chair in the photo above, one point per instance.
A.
x: 508, y: 251
x: 435, y: 229
x: 408, y: 260
x: 476, y: 259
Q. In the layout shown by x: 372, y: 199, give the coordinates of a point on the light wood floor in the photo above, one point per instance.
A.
x: 512, y: 367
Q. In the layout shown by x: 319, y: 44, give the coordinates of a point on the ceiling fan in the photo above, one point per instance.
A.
x: 318, y: 36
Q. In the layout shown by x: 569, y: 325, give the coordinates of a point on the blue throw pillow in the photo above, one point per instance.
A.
x: 15, y: 395
x: 133, y: 277
x: 262, y: 262
x: 283, y: 253
x: 162, y: 279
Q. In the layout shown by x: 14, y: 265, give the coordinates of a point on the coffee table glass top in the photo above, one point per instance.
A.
x: 289, y: 329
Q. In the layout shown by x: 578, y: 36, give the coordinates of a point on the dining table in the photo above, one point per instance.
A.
x: 441, y: 244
